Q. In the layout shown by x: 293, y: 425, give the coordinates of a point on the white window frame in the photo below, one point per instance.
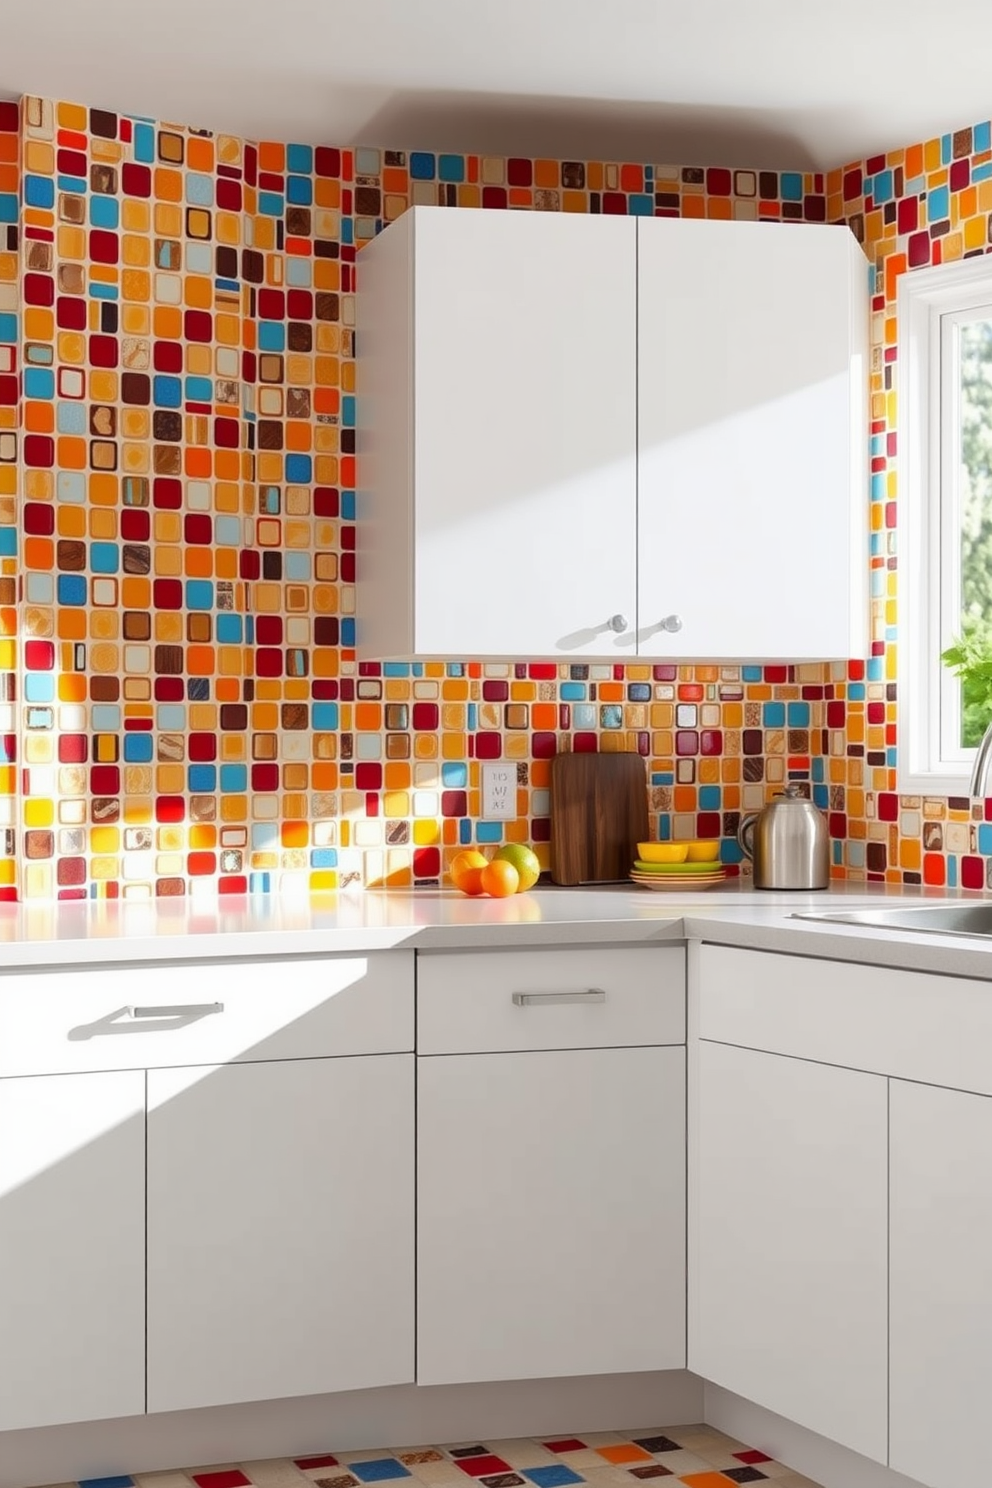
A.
x: 930, y: 304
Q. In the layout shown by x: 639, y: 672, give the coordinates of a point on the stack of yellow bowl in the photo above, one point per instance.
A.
x: 678, y: 865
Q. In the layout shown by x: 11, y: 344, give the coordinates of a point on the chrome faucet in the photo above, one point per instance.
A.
x: 983, y: 763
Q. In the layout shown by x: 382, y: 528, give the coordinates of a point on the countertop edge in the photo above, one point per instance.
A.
x: 49, y: 937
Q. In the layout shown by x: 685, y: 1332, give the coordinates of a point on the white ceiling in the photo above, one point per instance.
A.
x: 774, y: 83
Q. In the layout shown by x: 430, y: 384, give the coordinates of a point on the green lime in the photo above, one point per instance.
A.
x: 525, y: 862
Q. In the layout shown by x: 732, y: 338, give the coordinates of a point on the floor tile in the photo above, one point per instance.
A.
x: 553, y: 1475
x: 625, y: 1453
x: 484, y: 1465
x: 618, y: 1477
x: 522, y: 1451
x: 704, y: 1480
x: 269, y: 1473
x: 690, y: 1456
x: 218, y: 1477
x: 586, y: 1457
x: 681, y: 1462
x: 439, y: 1472
x: 378, y: 1470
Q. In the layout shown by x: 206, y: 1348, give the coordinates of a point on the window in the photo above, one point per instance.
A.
x: 945, y: 513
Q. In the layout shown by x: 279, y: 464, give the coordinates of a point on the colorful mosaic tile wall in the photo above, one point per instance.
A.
x: 928, y: 204
x: 10, y: 149
x: 192, y: 718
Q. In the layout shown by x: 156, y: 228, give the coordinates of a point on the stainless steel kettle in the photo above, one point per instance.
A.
x: 788, y: 842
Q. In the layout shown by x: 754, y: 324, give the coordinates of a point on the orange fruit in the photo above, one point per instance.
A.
x: 524, y: 859
x: 466, y: 871
x: 500, y: 879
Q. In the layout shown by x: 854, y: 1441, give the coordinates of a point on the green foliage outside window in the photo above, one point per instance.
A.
x: 970, y: 656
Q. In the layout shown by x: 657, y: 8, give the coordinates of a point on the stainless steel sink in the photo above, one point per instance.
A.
x: 928, y: 919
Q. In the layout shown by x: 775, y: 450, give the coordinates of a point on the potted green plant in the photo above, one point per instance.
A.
x: 970, y: 658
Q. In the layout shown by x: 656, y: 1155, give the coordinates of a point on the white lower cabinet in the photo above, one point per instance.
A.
x: 941, y: 1283
x: 551, y: 1213
x: 263, y: 1159
x: 280, y: 1229
x: 72, y: 1255
x: 788, y: 1240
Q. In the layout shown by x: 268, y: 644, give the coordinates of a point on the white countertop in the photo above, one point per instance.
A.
x: 46, y: 934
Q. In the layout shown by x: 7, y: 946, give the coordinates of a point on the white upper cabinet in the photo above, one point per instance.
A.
x: 752, y: 428
x: 497, y: 384
x: 613, y: 437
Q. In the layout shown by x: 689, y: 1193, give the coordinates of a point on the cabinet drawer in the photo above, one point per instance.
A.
x: 488, y: 1001
x: 149, y: 1017
x: 913, y: 1025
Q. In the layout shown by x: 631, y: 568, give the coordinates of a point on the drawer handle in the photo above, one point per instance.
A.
x: 177, y: 1010
x: 528, y: 999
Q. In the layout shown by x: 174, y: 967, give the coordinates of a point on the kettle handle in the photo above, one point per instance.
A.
x: 745, y: 835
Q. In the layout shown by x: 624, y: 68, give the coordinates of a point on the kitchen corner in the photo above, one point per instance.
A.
x: 490, y: 987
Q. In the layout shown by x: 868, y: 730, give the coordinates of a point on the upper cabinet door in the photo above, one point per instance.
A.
x: 753, y: 514
x: 498, y: 403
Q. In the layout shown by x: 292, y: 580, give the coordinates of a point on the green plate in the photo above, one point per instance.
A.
x: 642, y: 867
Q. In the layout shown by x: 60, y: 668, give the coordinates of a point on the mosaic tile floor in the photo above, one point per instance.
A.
x: 694, y: 1455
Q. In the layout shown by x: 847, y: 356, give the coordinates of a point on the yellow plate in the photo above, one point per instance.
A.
x: 640, y: 866
x: 646, y: 882
x: 649, y: 878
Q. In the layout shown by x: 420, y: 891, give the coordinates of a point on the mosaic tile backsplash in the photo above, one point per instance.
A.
x: 181, y: 711
x: 182, y: 708
x: 928, y: 204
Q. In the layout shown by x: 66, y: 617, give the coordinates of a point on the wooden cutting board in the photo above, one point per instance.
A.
x: 599, y: 813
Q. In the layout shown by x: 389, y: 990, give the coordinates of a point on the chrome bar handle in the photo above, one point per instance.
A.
x: 177, y: 1010
x: 529, y: 999
x: 979, y: 787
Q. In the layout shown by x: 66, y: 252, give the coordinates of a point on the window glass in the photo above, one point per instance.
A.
x: 944, y: 514
x: 973, y: 436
